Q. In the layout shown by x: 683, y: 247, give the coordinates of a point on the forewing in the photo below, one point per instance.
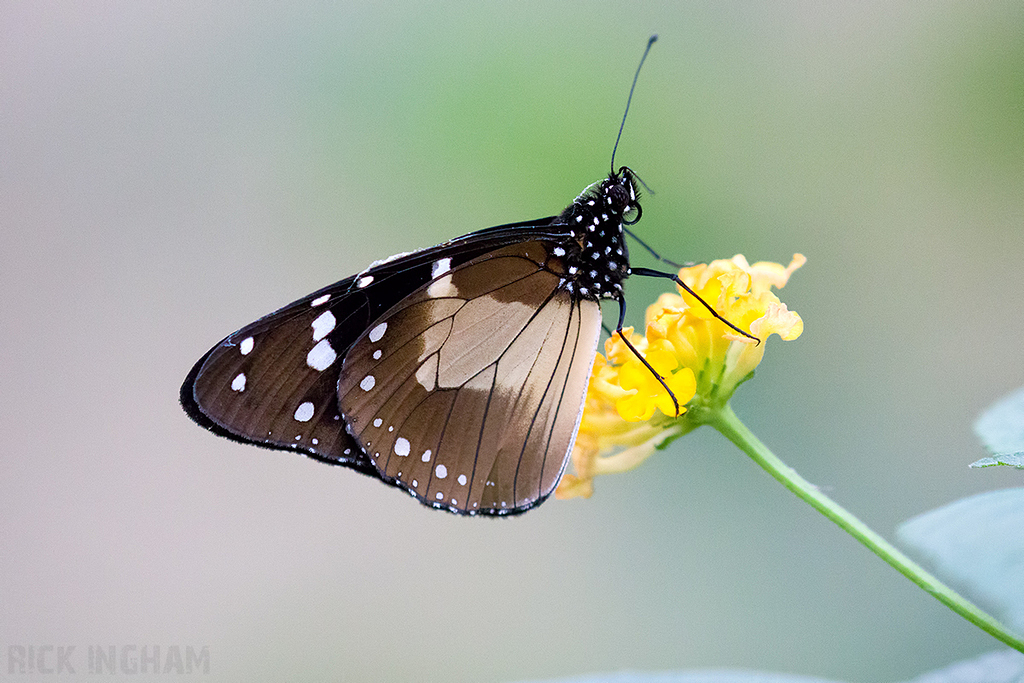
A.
x: 274, y: 382
x: 468, y: 393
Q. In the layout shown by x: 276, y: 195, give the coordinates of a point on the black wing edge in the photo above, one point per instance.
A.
x: 186, y: 398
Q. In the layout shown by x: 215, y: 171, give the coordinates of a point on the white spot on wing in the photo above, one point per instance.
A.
x: 378, y: 332
x: 441, y: 471
x: 376, y: 354
x: 364, y: 281
x: 304, y: 413
x: 320, y: 300
x: 238, y: 383
x: 401, y: 447
x: 462, y: 479
x: 441, y: 266
x: 321, y: 356
x: 426, y: 456
x: 377, y: 422
x: 323, y: 325
x: 367, y: 383
x: 246, y: 346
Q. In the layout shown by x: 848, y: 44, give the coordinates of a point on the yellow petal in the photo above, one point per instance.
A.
x: 778, y: 319
x: 635, y: 408
x: 573, y: 487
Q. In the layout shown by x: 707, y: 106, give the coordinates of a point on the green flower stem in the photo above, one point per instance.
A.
x: 726, y: 422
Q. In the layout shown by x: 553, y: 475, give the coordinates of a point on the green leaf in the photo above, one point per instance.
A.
x: 1005, y: 666
x: 975, y: 544
x: 690, y: 677
x: 1001, y: 426
x: 1015, y: 460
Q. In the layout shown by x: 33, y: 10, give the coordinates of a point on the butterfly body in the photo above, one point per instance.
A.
x: 599, y: 258
x: 456, y: 373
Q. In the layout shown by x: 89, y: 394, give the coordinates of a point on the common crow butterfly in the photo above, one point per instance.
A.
x: 457, y: 373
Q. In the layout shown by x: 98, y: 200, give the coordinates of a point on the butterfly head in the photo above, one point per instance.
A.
x: 624, y: 196
x: 615, y: 197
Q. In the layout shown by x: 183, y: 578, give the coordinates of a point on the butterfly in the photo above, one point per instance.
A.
x: 457, y: 373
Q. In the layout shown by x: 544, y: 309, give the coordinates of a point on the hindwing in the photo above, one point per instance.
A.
x: 468, y: 392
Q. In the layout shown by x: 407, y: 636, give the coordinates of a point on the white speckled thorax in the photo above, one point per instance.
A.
x: 596, y: 258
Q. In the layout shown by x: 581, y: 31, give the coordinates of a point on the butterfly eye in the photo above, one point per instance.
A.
x: 632, y: 214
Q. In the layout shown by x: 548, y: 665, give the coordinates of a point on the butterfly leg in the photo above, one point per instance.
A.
x: 618, y: 330
x: 647, y: 272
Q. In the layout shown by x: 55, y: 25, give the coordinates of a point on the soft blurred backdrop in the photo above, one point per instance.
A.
x: 172, y: 171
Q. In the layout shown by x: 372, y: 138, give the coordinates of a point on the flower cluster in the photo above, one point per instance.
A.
x: 628, y: 413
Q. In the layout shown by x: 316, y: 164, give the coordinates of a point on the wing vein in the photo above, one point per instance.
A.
x: 540, y: 404
x: 578, y: 314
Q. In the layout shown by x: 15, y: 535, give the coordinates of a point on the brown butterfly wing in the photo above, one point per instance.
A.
x: 274, y: 382
x: 469, y: 392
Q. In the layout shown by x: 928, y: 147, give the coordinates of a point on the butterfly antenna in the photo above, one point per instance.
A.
x: 650, y: 41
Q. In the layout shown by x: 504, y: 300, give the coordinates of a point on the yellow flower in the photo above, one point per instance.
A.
x: 628, y: 415
x: 648, y: 393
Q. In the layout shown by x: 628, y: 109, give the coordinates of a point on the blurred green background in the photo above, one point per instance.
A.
x: 170, y: 172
